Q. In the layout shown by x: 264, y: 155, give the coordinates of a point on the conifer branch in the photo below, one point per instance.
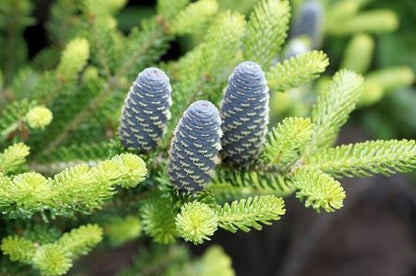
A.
x: 122, y: 229
x: 374, y: 21
x: 18, y: 249
x: 297, y: 70
x: 287, y: 141
x: 12, y: 157
x: 190, y: 18
x: 196, y: 222
x: 169, y: 9
x: 318, y: 190
x: 12, y: 117
x: 250, y: 213
x: 333, y: 106
x: 158, y: 217
x: 365, y: 159
x: 259, y: 179
x: 266, y: 31
x: 56, y: 258
x: 79, y: 188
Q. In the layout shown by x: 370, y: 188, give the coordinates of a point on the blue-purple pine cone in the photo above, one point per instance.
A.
x: 146, y: 110
x: 245, y: 115
x: 309, y: 23
x: 195, y: 146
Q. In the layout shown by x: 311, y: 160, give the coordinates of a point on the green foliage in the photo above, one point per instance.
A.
x: 73, y: 58
x: 392, y: 77
x: 192, y: 16
x: 158, y: 218
x: 375, y: 21
x: 13, y: 157
x: 204, y: 266
x: 266, y: 31
x: 157, y: 260
x: 359, y: 53
x: 318, y: 190
x: 14, y: 18
x: 12, y: 118
x: 258, y: 180
x: 51, y: 259
x: 297, y: 70
x: 79, y: 172
x: 333, y: 107
x: 38, y: 117
x: 169, y: 9
x: 55, y: 258
x: 18, y: 249
x: 196, y: 222
x: 365, y: 159
x: 78, y: 188
x: 81, y: 240
x: 106, y: 7
x: 120, y: 230
x: 250, y: 213
x: 287, y: 141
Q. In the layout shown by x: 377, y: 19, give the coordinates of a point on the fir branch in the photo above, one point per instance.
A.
x: 223, y: 191
x: 143, y: 46
x: 158, y: 217
x: 287, y: 141
x: 12, y: 117
x: 392, y: 77
x: 250, y: 213
x: 190, y: 18
x: 13, y: 157
x: 204, y: 266
x: 84, y: 152
x: 365, y: 159
x: 359, y: 54
x: 156, y: 260
x: 81, y: 240
x: 318, y: 190
x: 122, y: 229
x: 52, y: 260
x: 168, y: 9
x: 18, y: 248
x: 260, y: 180
x: 73, y: 58
x: 196, y: 222
x: 106, y: 7
x: 15, y: 16
x: 333, y: 107
x: 149, y: 38
x: 79, y: 188
x: 266, y: 31
x: 38, y: 117
x: 297, y: 70
x: 373, y: 21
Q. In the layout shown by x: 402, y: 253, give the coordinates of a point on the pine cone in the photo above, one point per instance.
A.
x: 146, y: 110
x: 194, y: 149
x: 244, y: 114
x: 309, y: 23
